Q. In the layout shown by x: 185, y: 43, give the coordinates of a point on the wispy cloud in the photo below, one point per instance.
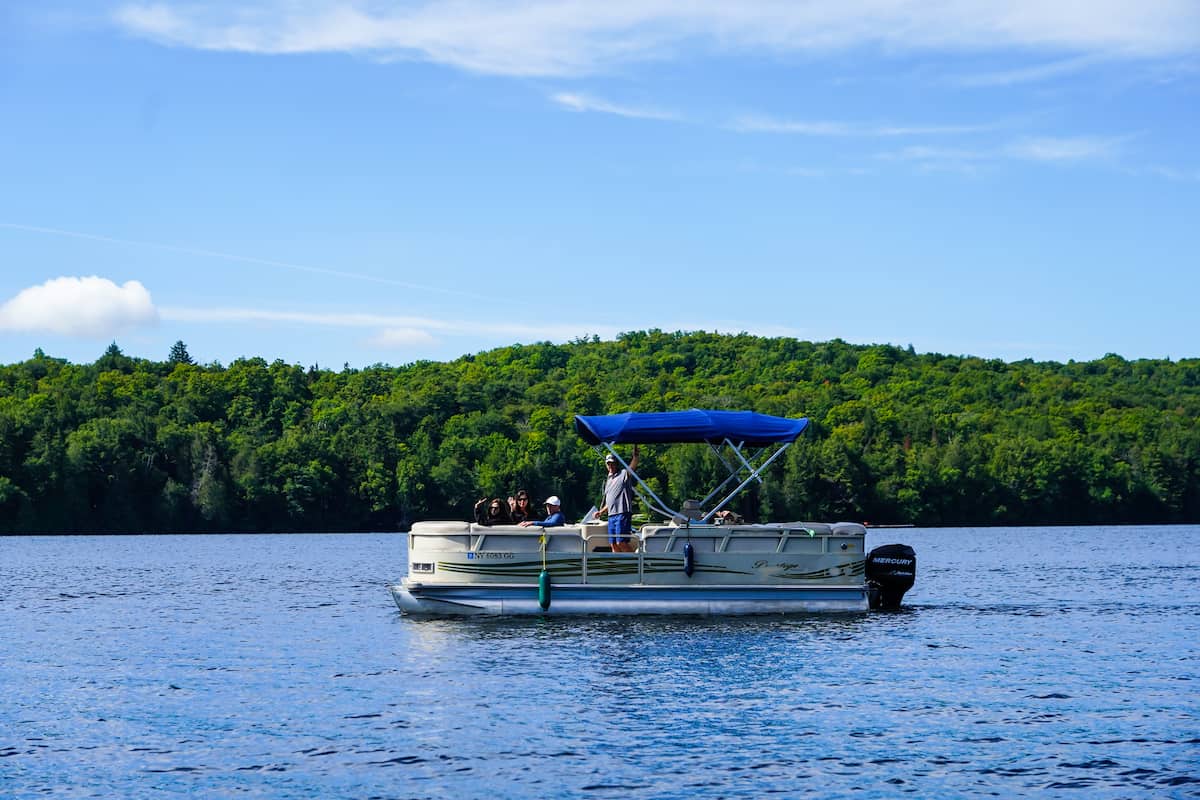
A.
x: 584, y: 103
x: 1064, y: 148
x: 389, y: 328
x: 548, y: 38
x: 1169, y: 173
x: 1029, y: 74
x: 941, y: 159
x: 400, y: 338
x: 766, y: 124
x: 1045, y: 149
x: 265, y: 262
x: 752, y: 166
x: 398, y: 332
x: 85, y: 306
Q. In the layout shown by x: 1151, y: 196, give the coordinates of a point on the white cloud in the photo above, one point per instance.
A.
x: 1051, y: 148
x: 328, y: 319
x: 91, y: 306
x: 1169, y: 173
x: 766, y: 124
x: 397, y: 332
x: 1030, y: 74
x: 583, y: 103
x: 390, y: 338
x: 762, y: 123
x: 545, y: 37
x: 409, y: 326
x: 266, y: 262
x: 925, y: 154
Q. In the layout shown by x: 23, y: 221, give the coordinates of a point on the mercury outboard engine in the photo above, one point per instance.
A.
x: 891, y: 571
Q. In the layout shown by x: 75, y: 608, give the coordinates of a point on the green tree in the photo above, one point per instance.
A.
x: 179, y: 354
x: 895, y: 436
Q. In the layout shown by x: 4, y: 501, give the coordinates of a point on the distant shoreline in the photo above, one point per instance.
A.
x: 870, y: 527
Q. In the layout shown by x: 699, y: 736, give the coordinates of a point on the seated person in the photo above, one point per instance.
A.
x: 554, y: 516
x: 520, y: 507
x: 493, y: 512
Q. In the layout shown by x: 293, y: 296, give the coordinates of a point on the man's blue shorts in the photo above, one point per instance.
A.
x: 619, y: 528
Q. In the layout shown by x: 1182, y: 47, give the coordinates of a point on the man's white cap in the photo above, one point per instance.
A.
x: 608, y: 459
x: 552, y: 500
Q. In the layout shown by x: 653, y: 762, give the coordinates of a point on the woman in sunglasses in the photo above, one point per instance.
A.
x: 492, y: 512
x: 519, y: 507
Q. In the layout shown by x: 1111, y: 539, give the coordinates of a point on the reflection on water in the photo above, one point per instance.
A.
x: 1029, y: 662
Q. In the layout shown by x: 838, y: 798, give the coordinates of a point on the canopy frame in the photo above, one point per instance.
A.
x: 741, y: 441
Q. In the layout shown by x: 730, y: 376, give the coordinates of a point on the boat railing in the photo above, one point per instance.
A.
x: 592, y: 538
x: 465, y: 537
x: 799, y: 537
x: 518, y: 539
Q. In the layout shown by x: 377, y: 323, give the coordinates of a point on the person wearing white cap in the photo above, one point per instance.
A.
x: 554, y: 515
x: 618, y: 502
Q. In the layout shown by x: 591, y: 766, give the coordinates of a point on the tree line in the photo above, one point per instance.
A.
x: 129, y: 444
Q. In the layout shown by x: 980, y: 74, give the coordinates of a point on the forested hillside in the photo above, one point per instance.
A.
x: 132, y: 445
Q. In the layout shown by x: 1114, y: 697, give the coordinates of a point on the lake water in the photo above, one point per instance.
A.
x: 1040, y: 662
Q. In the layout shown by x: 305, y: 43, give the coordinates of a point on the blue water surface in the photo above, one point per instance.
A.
x: 1037, y: 662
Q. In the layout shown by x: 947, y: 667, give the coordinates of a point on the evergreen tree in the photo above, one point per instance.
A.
x: 179, y: 354
x: 114, y: 359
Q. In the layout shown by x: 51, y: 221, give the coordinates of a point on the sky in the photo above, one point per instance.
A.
x: 338, y: 182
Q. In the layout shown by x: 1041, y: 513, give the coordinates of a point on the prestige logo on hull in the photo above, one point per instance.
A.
x: 472, y: 556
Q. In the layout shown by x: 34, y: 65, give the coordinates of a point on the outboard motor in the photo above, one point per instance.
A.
x: 891, y: 571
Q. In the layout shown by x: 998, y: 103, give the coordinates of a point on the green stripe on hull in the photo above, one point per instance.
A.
x: 559, y: 567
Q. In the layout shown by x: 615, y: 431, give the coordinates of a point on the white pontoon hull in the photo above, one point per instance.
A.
x: 420, y: 599
x: 790, y: 568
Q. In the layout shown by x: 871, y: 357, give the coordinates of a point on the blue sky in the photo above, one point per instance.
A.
x: 363, y: 182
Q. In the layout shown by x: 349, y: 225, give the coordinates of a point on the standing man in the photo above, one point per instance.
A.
x: 618, y: 502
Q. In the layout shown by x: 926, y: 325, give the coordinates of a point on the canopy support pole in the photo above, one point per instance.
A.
x: 733, y: 471
x: 737, y: 449
x: 755, y: 472
x: 644, y: 490
x: 716, y: 428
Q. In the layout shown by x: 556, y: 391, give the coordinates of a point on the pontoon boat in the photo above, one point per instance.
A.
x: 697, y: 561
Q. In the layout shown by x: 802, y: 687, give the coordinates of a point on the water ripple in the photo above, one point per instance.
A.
x: 1030, y: 663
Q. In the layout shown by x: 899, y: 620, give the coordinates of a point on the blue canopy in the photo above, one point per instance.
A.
x: 693, y: 426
